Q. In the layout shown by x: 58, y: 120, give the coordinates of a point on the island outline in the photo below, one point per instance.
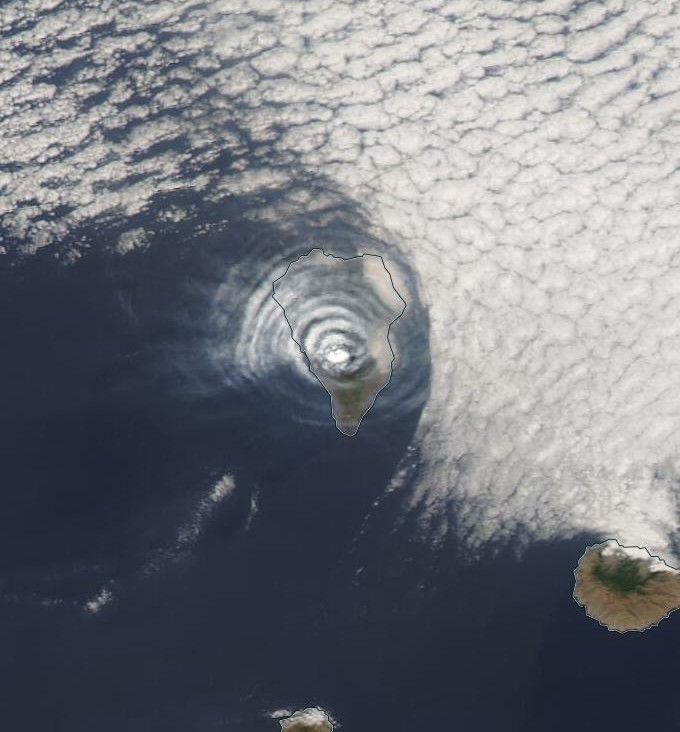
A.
x: 389, y: 325
x: 650, y: 558
x: 293, y: 720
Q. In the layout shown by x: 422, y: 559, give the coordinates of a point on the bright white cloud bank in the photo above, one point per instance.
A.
x: 654, y: 564
x: 525, y: 155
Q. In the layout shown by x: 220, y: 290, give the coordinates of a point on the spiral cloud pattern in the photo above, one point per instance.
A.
x: 319, y: 322
x: 340, y: 312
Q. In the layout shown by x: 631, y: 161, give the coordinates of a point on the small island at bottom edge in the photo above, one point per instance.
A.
x: 312, y: 719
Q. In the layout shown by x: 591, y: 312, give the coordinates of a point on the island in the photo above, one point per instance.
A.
x: 312, y: 719
x: 340, y: 312
x: 624, y: 587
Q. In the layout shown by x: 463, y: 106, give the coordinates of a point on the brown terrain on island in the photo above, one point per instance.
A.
x: 307, y: 720
x: 625, y: 588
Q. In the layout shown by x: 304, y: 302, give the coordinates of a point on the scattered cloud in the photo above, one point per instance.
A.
x: 131, y: 240
x: 103, y: 598
x: 524, y: 157
x: 189, y: 532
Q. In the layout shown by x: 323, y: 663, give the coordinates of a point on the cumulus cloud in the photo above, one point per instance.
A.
x: 128, y: 241
x: 536, y: 196
x: 96, y: 604
x: 523, y: 155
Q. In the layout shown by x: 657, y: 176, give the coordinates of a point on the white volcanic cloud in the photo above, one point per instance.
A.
x: 525, y: 156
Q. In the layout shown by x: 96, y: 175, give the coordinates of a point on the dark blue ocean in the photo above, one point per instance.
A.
x: 298, y: 591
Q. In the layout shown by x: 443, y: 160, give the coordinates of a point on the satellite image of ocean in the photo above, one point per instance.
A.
x: 340, y: 365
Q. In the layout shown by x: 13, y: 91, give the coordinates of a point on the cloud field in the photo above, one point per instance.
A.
x: 523, y: 157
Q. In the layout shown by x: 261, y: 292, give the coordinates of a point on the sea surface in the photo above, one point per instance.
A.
x: 306, y: 584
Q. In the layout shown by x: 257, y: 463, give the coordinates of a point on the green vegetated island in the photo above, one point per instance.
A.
x: 340, y: 312
x: 625, y: 587
x: 312, y: 719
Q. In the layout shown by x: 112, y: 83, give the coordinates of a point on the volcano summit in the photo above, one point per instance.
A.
x: 340, y: 312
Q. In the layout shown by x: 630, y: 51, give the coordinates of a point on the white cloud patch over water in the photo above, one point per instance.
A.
x: 524, y: 155
x: 190, y: 531
x: 97, y: 603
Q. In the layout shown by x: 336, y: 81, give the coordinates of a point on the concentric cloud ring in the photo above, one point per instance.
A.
x: 339, y: 312
x: 333, y: 338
